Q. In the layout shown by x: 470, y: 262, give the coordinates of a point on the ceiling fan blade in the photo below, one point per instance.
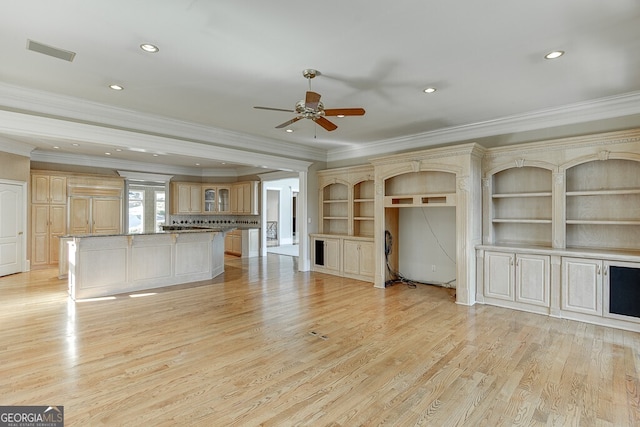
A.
x: 274, y: 109
x: 344, y: 112
x: 285, y: 124
x: 325, y: 123
x: 311, y: 100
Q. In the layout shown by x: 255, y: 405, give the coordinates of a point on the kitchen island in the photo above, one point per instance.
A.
x: 103, y: 265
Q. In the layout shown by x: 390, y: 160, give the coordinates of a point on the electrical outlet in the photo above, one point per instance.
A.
x: 433, y: 267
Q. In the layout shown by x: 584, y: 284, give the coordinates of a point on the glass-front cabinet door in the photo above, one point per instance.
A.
x: 224, y: 204
x: 210, y: 194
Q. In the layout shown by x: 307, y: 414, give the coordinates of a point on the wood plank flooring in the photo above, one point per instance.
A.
x: 267, y: 345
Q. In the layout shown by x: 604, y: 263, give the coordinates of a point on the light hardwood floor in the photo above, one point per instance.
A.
x: 266, y: 345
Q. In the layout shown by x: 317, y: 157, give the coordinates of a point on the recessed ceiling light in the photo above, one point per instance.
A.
x: 155, y: 155
x: 197, y: 164
x: 148, y: 47
x: 107, y: 154
x: 429, y: 90
x: 55, y: 147
x: 289, y: 130
x: 116, y: 87
x: 340, y: 115
x: 75, y: 144
x: 555, y: 54
x: 118, y: 149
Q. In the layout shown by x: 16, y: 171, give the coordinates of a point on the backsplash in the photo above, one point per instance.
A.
x: 214, y: 219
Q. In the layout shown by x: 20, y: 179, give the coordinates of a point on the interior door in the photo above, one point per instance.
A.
x: 11, y: 228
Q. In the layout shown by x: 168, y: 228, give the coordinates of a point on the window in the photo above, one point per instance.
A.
x: 160, y: 214
x: 136, y: 211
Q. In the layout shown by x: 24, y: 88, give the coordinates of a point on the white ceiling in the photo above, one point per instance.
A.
x: 218, y: 59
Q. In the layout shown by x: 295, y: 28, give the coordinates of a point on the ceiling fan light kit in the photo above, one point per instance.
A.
x: 312, y: 108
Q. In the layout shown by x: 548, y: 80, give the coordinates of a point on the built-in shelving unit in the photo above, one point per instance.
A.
x: 603, y: 205
x: 521, y: 206
x: 335, y: 209
x: 363, y: 208
x: 570, y: 208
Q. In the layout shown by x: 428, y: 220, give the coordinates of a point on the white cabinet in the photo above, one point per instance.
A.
x: 186, y: 198
x: 582, y: 285
x: 514, y: 277
x: 358, y: 259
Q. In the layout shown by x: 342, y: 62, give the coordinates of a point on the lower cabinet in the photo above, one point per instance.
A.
x: 345, y: 256
x: 582, y: 285
x: 326, y: 254
x: 243, y: 243
x: 519, y: 278
x: 358, y: 261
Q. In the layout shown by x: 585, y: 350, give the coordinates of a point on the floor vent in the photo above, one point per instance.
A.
x: 50, y: 50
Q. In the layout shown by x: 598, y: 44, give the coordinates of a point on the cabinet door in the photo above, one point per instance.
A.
x: 332, y: 254
x: 195, y: 199
x: 210, y: 198
x: 367, y: 259
x: 79, y: 215
x: 582, y: 285
x: 532, y: 279
x: 498, y: 275
x: 58, y: 190
x: 106, y: 215
x: 39, y: 235
x: 39, y: 189
x: 224, y: 202
x: 57, y: 228
x: 351, y: 257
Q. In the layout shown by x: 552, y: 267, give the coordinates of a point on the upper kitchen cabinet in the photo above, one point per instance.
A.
x: 51, y: 189
x: 244, y: 198
x: 216, y: 199
x: 186, y: 198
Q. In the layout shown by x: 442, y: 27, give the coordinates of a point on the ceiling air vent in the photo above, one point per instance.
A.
x: 50, y: 50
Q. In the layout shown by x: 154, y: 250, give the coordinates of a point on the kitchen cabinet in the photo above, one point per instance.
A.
x: 95, y: 215
x: 243, y: 243
x: 244, y: 198
x: 50, y: 189
x: 216, y: 199
x: 48, y: 223
x: 48, y: 217
x: 186, y: 198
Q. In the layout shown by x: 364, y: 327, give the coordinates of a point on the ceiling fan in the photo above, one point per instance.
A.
x: 312, y: 108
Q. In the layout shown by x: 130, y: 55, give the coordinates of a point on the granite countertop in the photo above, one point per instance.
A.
x: 168, y: 230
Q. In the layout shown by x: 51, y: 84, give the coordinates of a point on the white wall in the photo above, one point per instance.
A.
x: 427, y: 241
x: 285, y: 225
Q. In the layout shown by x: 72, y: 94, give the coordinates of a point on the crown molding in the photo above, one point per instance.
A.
x: 45, y: 127
x: 65, y: 108
x: 599, y: 109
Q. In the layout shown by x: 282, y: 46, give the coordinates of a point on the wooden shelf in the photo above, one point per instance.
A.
x: 522, y: 221
x: 520, y: 195
x: 363, y: 218
x: 363, y: 200
x: 603, y: 192
x: 420, y: 200
x: 602, y: 222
